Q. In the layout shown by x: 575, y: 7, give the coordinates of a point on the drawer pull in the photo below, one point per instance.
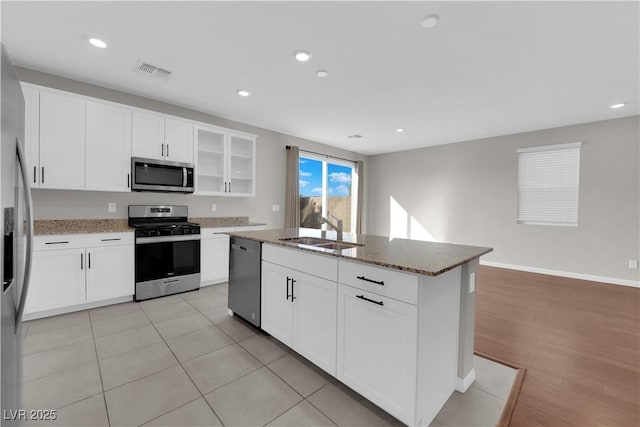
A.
x: 57, y: 243
x: 111, y: 240
x: 381, y: 282
x: 292, y: 282
x: 362, y: 297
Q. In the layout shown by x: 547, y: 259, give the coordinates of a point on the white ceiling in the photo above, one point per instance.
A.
x: 488, y: 68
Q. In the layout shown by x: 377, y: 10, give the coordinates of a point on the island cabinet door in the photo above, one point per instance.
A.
x: 314, y: 320
x: 377, y: 350
x: 276, y: 306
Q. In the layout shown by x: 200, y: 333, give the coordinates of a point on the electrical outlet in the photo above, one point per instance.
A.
x: 472, y: 283
x: 633, y: 263
x: 111, y: 207
x: 275, y: 208
x: 213, y: 207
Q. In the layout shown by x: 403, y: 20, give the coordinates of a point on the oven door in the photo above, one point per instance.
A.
x: 166, y: 256
x: 161, y: 175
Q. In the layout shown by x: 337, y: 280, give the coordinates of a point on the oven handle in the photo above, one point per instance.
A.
x: 184, y: 176
x: 163, y: 239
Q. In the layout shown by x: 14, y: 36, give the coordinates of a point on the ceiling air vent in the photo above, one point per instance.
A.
x: 152, y: 70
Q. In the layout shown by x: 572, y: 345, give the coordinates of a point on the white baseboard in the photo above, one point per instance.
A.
x: 592, y: 278
x: 462, y: 384
x: 79, y: 307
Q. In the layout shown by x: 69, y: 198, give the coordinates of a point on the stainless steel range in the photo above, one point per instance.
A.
x: 167, y: 251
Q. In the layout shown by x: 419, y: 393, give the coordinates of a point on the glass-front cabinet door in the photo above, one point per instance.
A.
x: 241, y: 165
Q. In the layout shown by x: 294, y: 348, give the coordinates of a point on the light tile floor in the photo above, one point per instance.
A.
x: 182, y: 361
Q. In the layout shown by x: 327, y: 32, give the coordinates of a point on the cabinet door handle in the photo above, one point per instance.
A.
x: 380, y: 282
x: 292, y: 283
x: 89, y: 260
x: 128, y: 180
x: 81, y: 262
x: 362, y: 297
x: 167, y: 150
x: 57, y: 243
x: 34, y: 174
x: 288, y: 295
x: 229, y: 186
x: 225, y: 186
x: 111, y: 240
x: 162, y: 150
x: 42, y: 175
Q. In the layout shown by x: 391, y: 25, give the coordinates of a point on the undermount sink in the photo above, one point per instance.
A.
x: 307, y: 240
x: 321, y: 243
x: 339, y: 245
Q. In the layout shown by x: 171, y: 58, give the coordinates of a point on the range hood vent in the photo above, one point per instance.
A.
x: 151, y: 70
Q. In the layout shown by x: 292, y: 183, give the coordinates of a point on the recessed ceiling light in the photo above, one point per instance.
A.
x: 243, y: 92
x: 97, y: 42
x: 322, y: 73
x: 618, y: 105
x: 399, y: 130
x: 302, y: 55
x: 429, y: 21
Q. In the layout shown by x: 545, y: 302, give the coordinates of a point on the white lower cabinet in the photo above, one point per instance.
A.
x: 300, y: 310
x: 72, y: 270
x: 57, y: 280
x: 109, y: 272
x: 214, y: 258
x: 377, y: 349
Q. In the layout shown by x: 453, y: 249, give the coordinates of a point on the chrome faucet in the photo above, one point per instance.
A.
x: 338, y: 227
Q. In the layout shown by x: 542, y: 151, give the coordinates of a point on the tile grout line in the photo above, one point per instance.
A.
x: 185, y: 372
x: 95, y: 349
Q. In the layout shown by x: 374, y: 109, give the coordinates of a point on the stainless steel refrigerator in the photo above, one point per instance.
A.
x: 16, y: 245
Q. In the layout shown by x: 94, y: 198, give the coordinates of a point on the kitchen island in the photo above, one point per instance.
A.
x: 391, y: 318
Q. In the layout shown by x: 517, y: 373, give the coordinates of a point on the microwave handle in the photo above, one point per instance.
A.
x: 184, y: 177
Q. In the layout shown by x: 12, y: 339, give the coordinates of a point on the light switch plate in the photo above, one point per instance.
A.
x: 633, y: 263
x: 275, y: 208
x: 111, y: 207
x: 213, y: 207
x: 472, y: 283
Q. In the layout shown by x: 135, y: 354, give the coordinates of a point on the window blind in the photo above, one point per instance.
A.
x: 548, y: 184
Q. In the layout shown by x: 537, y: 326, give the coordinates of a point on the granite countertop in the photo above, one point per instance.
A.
x: 414, y: 256
x: 79, y: 226
x: 221, y: 222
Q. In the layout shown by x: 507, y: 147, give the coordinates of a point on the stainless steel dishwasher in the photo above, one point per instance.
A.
x: 245, y: 258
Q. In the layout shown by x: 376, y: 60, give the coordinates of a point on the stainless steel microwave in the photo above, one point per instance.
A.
x: 161, y: 175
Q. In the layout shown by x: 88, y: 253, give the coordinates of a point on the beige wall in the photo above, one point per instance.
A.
x: 467, y: 193
x: 270, y: 167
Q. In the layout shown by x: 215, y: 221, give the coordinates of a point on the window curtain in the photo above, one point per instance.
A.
x: 292, y: 189
x: 360, y: 201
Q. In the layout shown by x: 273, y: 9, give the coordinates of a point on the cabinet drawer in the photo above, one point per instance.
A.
x: 73, y: 241
x: 317, y: 265
x: 382, y: 281
x: 212, y: 233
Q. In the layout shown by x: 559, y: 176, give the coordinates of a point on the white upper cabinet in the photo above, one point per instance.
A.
x: 108, y: 147
x: 178, y: 140
x: 62, y: 141
x: 225, y: 162
x: 242, y: 164
x: 148, y: 135
x: 32, y: 133
x: 157, y: 137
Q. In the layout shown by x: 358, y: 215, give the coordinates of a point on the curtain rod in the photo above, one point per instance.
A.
x: 288, y: 147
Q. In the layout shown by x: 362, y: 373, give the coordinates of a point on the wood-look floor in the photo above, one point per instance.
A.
x: 578, y: 340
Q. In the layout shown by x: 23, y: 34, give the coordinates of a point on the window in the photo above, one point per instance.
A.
x: 548, y: 182
x: 327, y: 190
